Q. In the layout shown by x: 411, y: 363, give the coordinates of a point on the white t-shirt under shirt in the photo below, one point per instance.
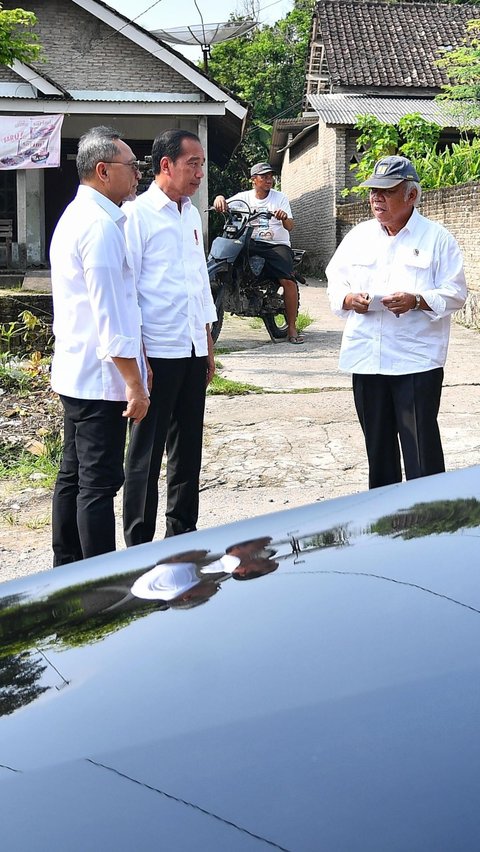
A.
x: 273, y: 231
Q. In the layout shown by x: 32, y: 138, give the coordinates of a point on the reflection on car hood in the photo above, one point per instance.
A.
x: 306, y: 680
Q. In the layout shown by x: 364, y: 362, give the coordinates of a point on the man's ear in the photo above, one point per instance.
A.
x: 165, y: 165
x: 102, y: 171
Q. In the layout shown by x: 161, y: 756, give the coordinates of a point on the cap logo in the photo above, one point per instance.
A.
x: 381, y: 169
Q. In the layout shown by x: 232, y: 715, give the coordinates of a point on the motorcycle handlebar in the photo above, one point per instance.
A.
x: 250, y: 214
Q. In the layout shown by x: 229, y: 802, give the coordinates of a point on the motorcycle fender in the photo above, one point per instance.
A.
x: 214, y: 266
x: 223, y: 249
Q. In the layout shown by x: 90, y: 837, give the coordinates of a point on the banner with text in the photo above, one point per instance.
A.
x: 30, y: 142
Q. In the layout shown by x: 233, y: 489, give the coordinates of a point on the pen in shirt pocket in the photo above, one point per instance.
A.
x: 196, y: 236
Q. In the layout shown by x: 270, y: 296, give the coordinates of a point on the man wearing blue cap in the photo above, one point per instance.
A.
x: 397, y: 279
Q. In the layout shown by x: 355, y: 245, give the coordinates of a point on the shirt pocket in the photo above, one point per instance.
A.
x: 414, y: 266
x: 363, y: 272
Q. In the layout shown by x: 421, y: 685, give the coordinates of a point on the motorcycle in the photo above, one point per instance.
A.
x: 236, y: 275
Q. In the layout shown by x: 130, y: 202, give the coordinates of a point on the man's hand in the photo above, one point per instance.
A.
x: 357, y: 302
x: 210, y: 357
x: 282, y: 216
x: 399, y: 303
x: 137, y: 402
x: 220, y: 204
x: 149, y: 374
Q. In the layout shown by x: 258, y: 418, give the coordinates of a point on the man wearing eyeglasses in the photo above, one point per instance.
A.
x: 98, y: 368
x: 272, y: 240
x: 164, y: 236
x: 397, y: 279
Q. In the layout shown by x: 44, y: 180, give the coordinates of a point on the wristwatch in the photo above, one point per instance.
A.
x: 418, y: 300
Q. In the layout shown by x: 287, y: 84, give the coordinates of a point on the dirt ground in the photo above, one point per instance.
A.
x: 297, y: 443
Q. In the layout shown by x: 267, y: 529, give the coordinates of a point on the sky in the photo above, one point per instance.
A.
x: 164, y: 14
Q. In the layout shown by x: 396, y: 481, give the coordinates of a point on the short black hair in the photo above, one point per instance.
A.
x: 169, y: 144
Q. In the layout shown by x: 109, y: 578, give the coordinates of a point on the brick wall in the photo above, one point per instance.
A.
x: 458, y: 209
x: 309, y: 179
x: 81, y: 52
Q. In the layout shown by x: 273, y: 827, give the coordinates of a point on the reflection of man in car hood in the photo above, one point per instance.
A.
x: 168, y: 581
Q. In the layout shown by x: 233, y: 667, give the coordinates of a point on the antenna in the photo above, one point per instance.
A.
x: 205, y: 34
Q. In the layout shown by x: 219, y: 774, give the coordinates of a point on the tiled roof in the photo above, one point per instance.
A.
x: 370, y: 44
x: 342, y: 109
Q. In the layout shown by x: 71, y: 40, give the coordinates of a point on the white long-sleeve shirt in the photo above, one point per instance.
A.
x: 171, y: 275
x: 96, y: 314
x: 422, y: 258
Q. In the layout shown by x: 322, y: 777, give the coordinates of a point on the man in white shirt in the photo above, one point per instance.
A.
x: 396, y: 279
x: 272, y: 239
x: 164, y: 236
x: 98, y: 367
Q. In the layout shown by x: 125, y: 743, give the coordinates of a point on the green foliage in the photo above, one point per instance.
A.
x: 21, y: 464
x: 266, y: 68
x: 16, y: 40
x: 435, y: 518
x: 462, y: 66
x: 417, y: 139
x: 29, y: 333
x: 226, y: 387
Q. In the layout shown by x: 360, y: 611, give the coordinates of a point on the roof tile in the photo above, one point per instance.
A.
x: 389, y: 44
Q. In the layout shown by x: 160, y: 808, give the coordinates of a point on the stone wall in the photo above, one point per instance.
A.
x: 458, y: 209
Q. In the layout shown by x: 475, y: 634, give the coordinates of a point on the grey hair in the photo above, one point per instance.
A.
x: 95, y: 146
x: 409, y: 184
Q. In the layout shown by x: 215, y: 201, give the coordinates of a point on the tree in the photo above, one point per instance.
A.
x: 462, y: 66
x: 266, y: 68
x: 16, y: 40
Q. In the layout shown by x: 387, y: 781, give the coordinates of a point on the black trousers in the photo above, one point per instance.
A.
x: 174, y: 420
x: 91, y: 473
x: 405, y: 407
x: 278, y: 259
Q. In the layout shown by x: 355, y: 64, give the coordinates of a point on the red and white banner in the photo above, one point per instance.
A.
x: 30, y: 142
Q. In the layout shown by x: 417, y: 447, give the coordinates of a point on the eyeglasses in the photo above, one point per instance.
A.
x: 134, y: 165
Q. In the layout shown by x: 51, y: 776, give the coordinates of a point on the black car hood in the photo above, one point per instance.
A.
x: 323, y: 696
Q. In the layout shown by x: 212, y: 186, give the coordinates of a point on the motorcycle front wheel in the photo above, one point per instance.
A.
x: 217, y: 293
x: 276, y: 326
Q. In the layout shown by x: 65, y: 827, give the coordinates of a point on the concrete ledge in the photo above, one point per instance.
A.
x: 10, y: 279
x: 37, y: 281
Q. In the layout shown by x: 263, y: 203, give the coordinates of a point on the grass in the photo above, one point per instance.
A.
x: 18, y: 463
x: 24, y: 375
x: 226, y: 387
x: 303, y: 321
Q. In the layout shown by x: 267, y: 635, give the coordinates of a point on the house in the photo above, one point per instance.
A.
x: 97, y: 68
x: 372, y: 58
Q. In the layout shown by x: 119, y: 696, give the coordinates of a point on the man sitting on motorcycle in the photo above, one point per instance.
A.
x: 271, y: 240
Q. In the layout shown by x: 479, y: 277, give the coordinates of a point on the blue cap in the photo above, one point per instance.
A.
x: 390, y: 171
